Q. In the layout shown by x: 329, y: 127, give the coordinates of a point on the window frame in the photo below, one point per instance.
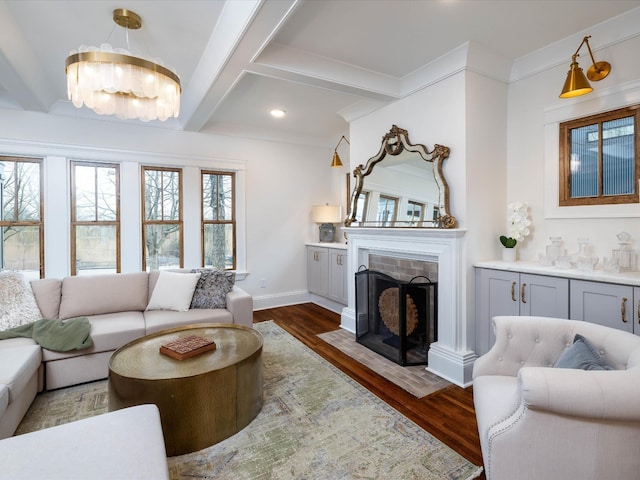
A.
x: 231, y: 222
x: 564, y: 174
x: 74, y: 223
x: 396, y: 203
x: 414, y: 204
x: 145, y: 222
x: 24, y: 223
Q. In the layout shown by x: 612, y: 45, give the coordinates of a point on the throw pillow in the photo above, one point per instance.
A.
x: 582, y: 355
x: 173, y: 291
x: 17, y: 303
x: 212, y: 288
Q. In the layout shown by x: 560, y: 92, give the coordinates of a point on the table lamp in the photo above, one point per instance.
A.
x: 326, y: 216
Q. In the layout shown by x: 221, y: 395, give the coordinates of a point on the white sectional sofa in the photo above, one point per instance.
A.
x: 116, y: 306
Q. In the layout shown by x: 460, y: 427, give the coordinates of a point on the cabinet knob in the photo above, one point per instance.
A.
x: 623, y: 309
x: 513, y: 292
x: 522, y: 293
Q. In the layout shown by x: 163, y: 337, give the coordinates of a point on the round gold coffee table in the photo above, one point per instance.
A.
x: 203, y: 399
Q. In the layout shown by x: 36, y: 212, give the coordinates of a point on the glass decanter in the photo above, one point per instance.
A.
x: 624, y: 254
x: 555, y: 250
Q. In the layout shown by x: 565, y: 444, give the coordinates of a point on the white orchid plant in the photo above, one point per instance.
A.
x: 518, y: 224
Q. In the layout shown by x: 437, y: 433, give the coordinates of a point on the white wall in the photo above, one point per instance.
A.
x: 465, y: 111
x: 282, y: 182
x: 534, y: 111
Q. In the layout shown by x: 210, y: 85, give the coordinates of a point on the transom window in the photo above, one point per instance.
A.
x: 95, y: 218
x: 21, y: 214
x: 599, y: 161
x: 162, y: 224
x: 218, y: 220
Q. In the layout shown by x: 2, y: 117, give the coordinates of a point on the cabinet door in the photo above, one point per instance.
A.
x: 338, y: 276
x: 543, y: 296
x: 318, y: 270
x: 496, y: 294
x: 603, y: 303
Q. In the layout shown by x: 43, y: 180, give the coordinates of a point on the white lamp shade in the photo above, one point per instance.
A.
x: 326, y: 214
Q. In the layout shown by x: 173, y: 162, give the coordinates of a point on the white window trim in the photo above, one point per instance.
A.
x: 56, y: 161
x: 608, y: 99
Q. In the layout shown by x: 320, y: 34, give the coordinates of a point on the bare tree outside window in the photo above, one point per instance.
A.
x: 95, y: 218
x: 22, y: 247
x: 218, y: 220
x: 162, y: 225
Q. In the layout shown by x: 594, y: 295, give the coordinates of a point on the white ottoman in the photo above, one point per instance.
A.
x: 123, y: 445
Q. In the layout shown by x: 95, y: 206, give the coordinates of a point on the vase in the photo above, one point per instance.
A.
x: 509, y: 254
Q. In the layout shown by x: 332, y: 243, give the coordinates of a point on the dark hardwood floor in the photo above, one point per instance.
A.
x: 447, y: 414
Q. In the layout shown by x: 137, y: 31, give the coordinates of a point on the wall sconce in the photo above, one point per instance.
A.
x: 326, y: 216
x: 576, y: 84
x: 336, y: 162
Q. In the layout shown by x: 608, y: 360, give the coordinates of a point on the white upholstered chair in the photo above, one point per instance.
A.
x: 539, y: 422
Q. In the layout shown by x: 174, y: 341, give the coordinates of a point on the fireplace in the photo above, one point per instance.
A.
x: 395, y: 318
x: 451, y: 356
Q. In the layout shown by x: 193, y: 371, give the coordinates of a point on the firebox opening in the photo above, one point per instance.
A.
x: 396, y: 318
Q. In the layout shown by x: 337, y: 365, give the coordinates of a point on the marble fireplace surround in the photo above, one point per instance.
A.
x: 449, y: 357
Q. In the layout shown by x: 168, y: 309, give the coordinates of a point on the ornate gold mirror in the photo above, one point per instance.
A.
x: 408, y: 189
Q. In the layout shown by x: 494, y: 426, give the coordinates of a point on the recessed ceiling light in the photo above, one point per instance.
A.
x: 277, y: 113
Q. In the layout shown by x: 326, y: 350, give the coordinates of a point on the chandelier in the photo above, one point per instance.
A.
x: 112, y: 81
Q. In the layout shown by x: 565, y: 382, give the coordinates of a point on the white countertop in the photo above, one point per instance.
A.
x: 598, y: 275
x: 341, y: 246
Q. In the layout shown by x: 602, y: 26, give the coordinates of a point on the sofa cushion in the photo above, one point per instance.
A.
x: 212, y: 288
x: 100, y: 294
x: 108, y: 332
x: 16, y: 342
x: 17, y: 304
x: 156, y: 320
x: 4, y: 399
x: 123, y: 444
x: 173, y: 291
x: 17, y: 366
x: 581, y: 354
x: 47, y: 292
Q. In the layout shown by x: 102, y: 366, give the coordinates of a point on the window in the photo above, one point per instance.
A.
x: 387, y: 207
x: 95, y: 218
x: 361, y: 206
x: 162, y: 227
x: 22, y: 246
x: 599, y: 159
x: 415, y: 211
x: 218, y: 220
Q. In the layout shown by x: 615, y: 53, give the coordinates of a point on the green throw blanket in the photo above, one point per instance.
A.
x: 57, y: 335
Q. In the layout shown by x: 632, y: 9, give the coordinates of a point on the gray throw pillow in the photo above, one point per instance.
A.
x: 582, y: 355
x: 212, y: 288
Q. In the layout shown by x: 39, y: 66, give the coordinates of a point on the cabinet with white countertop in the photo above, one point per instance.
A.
x: 512, y: 293
x: 327, y: 271
x: 522, y: 288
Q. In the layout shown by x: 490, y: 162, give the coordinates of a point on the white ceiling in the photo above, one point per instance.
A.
x: 238, y: 59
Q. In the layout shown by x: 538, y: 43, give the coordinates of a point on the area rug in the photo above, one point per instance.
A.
x: 414, y: 379
x: 316, y: 423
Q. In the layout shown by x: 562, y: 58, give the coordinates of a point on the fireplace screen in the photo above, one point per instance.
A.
x: 394, y: 318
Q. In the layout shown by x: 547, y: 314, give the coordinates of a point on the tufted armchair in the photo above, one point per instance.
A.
x: 539, y: 422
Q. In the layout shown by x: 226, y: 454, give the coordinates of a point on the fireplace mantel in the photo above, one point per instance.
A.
x: 449, y: 357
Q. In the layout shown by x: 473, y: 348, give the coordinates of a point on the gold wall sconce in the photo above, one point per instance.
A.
x: 576, y: 83
x: 336, y: 162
